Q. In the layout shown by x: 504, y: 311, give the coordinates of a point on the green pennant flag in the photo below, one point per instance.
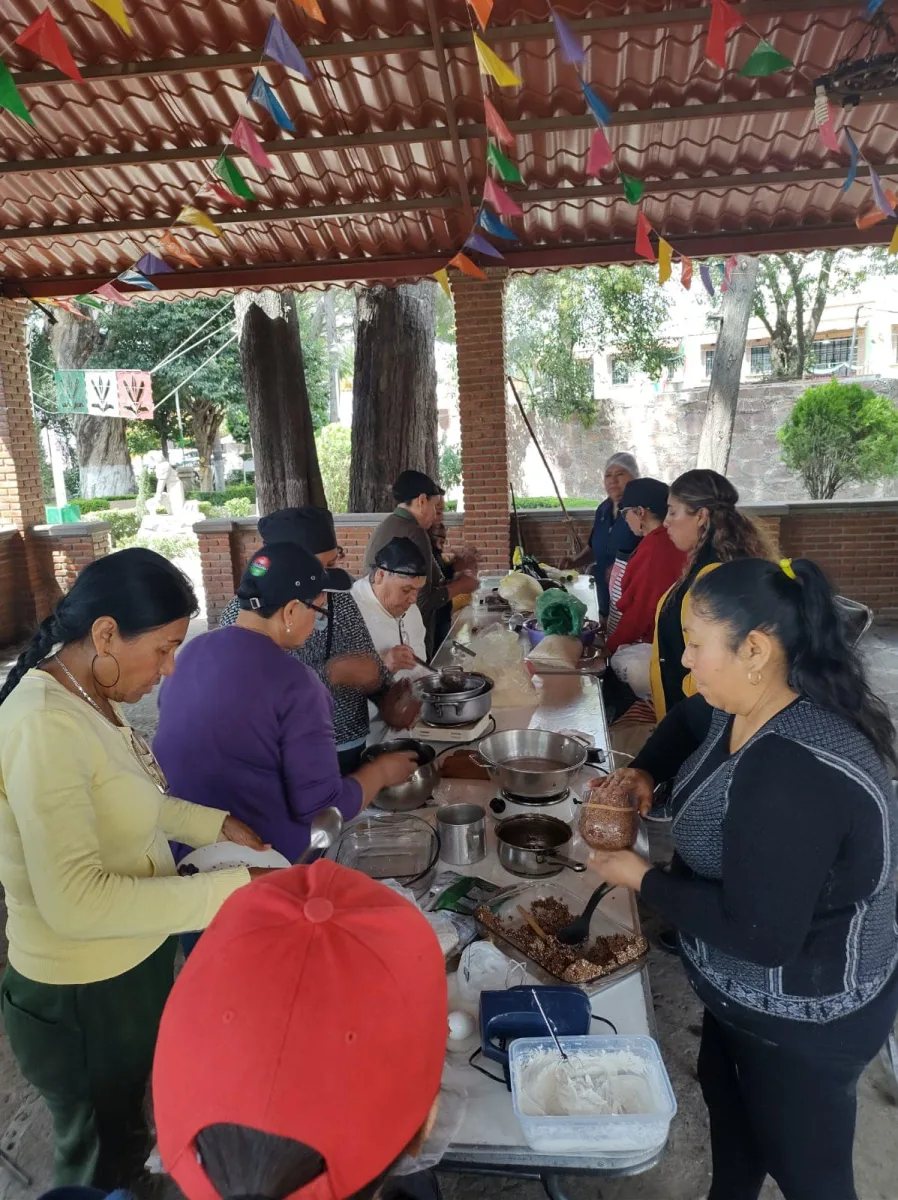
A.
x: 89, y: 302
x: 9, y: 96
x: 765, y: 60
x: 232, y: 178
x: 506, y: 168
x: 633, y: 188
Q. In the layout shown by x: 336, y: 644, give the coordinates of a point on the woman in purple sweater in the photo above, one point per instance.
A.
x: 247, y: 728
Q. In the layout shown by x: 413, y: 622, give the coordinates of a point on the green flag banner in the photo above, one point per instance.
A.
x: 506, y: 168
x: 765, y: 60
x: 633, y: 188
x: 232, y: 177
x: 9, y: 96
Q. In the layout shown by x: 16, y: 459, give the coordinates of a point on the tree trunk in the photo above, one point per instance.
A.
x: 394, y: 391
x: 206, y: 418
x: 102, y: 448
x: 280, y: 419
x: 726, y: 370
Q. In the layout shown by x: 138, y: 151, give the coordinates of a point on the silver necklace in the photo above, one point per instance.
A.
x: 81, y: 691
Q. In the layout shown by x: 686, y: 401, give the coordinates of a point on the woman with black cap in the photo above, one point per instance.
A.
x: 387, y: 600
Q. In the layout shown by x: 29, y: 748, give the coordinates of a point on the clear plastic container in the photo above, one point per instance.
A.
x: 390, y: 846
x: 622, y: 1140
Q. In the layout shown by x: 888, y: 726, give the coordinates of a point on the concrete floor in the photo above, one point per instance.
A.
x: 683, y: 1173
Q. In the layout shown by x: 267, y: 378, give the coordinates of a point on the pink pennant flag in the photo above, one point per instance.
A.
x: 600, y: 152
x: 496, y: 125
x: 500, y: 199
x: 244, y: 138
x: 215, y: 188
x: 828, y: 135
x: 112, y: 294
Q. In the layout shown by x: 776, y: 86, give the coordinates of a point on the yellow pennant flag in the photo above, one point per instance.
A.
x: 665, y: 252
x: 195, y: 216
x: 442, y: 278
x: 492, y: 64
x: 893, y: 244
x: 116, y: 10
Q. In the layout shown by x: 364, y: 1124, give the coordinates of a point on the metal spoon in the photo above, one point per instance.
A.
x: 578, y: 930
x: 324, y: 829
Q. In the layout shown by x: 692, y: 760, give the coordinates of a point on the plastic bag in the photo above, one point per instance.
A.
x: 557, y: 651
x: 559, y: 612
x: 521, y: 591
x: 498, y: 655
x: 484, y: 968
x: 451, y: 1113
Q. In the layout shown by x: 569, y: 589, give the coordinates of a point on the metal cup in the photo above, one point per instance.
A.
x: 462, y: 830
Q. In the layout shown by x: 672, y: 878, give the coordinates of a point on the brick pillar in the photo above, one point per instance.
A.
x: 72, y: 547
x: 21, y: 493
x: 480, y: 342
x: 217, y: 562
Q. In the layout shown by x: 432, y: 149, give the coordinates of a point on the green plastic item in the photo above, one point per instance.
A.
x: 69, y: 514
x: 559, y: 612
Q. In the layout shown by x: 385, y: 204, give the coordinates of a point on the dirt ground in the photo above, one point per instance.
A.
x: 683, y: 1173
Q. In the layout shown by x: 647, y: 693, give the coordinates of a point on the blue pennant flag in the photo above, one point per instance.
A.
x: 873, y: 7
x: 280, y: 46
x: 151, y: 265
x: 706, y: 279
x: 136, y: 279
x: 599, y: 108
x: 262, y: 95
x: 855, y: 154
x: 493, y: 225
x: 479, y: 243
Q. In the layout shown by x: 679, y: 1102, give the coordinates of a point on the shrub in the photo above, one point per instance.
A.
x: 169, y: 545
x: 205, y: 507
x: 334, y: 445
x: 122, y: 525
x: 238, y: 506
x: 246, y: 490
x: 96, y: 503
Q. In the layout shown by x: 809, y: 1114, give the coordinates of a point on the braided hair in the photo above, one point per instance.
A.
x: 138, y: 588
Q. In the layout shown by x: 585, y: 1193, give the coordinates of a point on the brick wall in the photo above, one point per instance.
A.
x: 72, y: 547
x: 480, y: 345
x: 16, y: 604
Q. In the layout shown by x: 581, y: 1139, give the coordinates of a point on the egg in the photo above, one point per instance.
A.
x: 461, y: 1026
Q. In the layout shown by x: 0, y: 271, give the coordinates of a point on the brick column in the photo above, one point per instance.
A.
x: 217, y: 562
x: 21, y: 493
x: 480, y: 342
x: 71, y: 547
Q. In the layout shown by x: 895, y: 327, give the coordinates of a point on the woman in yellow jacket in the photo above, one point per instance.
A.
x: 703, y: 521
x: 93, y: 898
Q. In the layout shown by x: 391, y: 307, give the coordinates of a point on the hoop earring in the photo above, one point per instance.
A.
x: 93, y: 672
x: 754, y: 678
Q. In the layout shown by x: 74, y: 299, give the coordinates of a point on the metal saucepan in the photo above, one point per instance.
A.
x: 471, y: 700
x: 529, y: 845
x: 418, y: 788
x: 534, y: 763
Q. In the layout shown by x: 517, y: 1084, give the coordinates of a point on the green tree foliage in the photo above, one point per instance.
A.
x: 450, y: 464
x: 142, y: 437
x: 334, y: 443
x: 840, y: 433
x: 556, y: 320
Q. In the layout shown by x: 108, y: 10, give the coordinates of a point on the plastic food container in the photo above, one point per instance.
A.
x: 391, y: 846
x: 623, y: 1139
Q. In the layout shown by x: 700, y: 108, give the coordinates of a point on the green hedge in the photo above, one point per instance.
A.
x: 239, y: 491
x: 525, y: 502
x: 122, y: 525
x: 97, y: 503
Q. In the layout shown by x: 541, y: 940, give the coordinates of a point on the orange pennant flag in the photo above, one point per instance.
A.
x: 172, y: 248
x: 483, y: 9
x: 464, y: 264
x: 189, y: 215
x: 313, y: 9
x: 686, y: 272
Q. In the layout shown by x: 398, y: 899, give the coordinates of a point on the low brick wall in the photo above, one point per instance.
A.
x: 73, y: 547
x: 16, y: 603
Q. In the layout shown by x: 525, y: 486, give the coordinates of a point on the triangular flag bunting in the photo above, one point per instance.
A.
x: 855, y: 154
x: 686, y: 272
x: 482, y: 246
x: 633, y: 188
x: 723, y: 18
x: 113, y: 295
x: 665, y: 254
x: 89, y: 302
x: 483, y: 9
x: 706, y: 278
x: 137, y: 279
x: 151, y: 265
x: 467, y: 266
x: 281, y: 47
x: 492, y: 64
x: 873, y: 7
x: 116, y: 10
x: 260, y: 93
x: 828, y: 136
x: 506, y: 168
x: 244, y: 138
x: 872, y: 216
x: 727, y: 270
x: 643, y: 241
x: 9, y: 96
x: 600, y: 152
x: 765, y: 60
x: 597, y: 107
x: 70, y: 308
x: 216, y: 188
x: 190, y: 215
x: 44, y: 38
x: 232, y: 177
x: 881, y: 199
x: 495, y: 124
x: 494, y: 226
x: 500, y: 199
x: 442, y: 278
x: 170, y: 245
x: 568, y: 43
x: 893, y: 244
x: 313, y: 9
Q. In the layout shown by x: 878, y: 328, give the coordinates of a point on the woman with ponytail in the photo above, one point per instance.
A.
x: 702, y: 521
x: 782, y: 885
x: 94, y: 902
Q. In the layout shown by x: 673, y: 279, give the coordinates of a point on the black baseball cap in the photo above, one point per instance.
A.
x: 646, y: 493
x: 282, y: 572
x: 412, y: 484
x: 310, y: 527
x: 401, y: 557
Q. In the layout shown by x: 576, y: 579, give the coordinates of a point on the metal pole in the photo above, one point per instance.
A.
x: 178, y: 411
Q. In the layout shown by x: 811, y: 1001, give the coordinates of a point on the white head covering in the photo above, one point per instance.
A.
x: 625, y: 460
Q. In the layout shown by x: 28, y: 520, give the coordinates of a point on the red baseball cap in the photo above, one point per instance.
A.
x: 314, y: 1007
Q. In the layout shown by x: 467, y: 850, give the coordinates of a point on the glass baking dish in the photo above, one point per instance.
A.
x: 506, y: 906
x: 389, y: 846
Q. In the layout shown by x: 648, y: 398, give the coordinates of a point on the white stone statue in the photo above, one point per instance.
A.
x: 169, y: 489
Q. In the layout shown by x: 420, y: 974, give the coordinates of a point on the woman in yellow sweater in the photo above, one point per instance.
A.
x: 94, y: 902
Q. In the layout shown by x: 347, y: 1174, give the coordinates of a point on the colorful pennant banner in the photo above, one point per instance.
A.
x: 281, y: 47
x: 491, y: 64
x: 262, y: 94
x: 44, y: 38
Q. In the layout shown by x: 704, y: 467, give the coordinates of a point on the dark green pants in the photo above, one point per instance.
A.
x: 88, y: 1049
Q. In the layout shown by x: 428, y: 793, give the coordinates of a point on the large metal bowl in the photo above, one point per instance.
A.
x: 418, y: 788
x: 535, y: 763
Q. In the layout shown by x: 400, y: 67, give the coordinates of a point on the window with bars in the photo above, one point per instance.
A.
x: 709, y: 363
x: 760, y: 360
x: 620, y: 372
x: 830, y: 352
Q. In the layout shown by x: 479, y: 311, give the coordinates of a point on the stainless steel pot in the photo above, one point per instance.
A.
x: 530, y: 846
x: 462, y: 834
x: 418, y: 788
x: 534, y: 763
x: 456, y: 707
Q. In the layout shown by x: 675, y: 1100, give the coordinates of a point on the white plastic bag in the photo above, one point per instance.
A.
x: 498, y: 655
x: 484, y: 968
x: 451, y: 1113
x: 521, y: 591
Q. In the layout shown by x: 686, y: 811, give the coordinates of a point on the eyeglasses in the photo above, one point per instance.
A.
x: 315, y: 608
x: 341, y: 553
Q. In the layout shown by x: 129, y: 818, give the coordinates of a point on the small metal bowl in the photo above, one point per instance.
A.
x: 418, y: 788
